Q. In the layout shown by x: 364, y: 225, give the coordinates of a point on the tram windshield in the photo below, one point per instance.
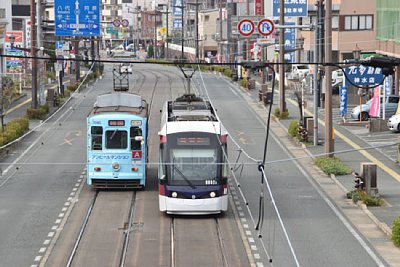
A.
x: 116, y: 139
x: 194, y: 160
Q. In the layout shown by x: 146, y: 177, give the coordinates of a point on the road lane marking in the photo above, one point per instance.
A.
x: 18, y: 106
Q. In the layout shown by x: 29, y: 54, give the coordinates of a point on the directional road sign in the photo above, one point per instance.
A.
x: 266, y: 27
x: 246, y: 27
x: 77, y: 17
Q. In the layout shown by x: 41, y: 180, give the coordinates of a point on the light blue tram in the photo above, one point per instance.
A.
x: 117, y: 142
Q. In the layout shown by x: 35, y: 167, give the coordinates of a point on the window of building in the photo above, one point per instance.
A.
x: 358, y: 22
x: 2, y: 13
x: 17, y: 24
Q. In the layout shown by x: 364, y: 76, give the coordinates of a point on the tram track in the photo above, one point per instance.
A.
x: 187, y: 238
x: 85, y: 251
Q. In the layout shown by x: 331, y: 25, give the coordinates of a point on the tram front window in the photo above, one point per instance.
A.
x: 196, y: 165
x: 116, y: 139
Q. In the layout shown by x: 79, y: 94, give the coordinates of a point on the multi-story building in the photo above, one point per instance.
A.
x: 353, y: 27
x: 388, y: 32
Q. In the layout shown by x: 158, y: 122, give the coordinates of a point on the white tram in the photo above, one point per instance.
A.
x: 193, y: 164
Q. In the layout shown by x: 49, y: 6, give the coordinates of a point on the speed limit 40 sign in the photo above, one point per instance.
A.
x: 246, y: 27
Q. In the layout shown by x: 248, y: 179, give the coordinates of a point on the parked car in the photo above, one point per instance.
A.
x: 117, y: 50
x: 299, y: 71
x: 337, y: 76
x: 390, y: 108
x: 394, y: 123
x: 126, y: 67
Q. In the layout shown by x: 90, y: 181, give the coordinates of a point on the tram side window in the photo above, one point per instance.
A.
x: 97, y: 137
x: 136, y: 145
x: 116, y: 139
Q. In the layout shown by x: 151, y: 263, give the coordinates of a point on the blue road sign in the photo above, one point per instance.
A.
x: 59, y: 45
x: 343, y: 101
x: 290, y: 41
x: 293, y: 8
x: 364, y: 76
x: 77, y: 17
x: 177, y: 24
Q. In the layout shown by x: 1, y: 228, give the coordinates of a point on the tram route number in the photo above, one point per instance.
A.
x: 211, y: 182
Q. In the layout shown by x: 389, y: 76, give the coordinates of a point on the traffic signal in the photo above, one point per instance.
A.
x: 358, y: 181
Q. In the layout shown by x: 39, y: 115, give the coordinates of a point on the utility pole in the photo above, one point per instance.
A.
x: 33, y: 55
x: 77, y: 63
x: 155, y: 35
x: 329, y: 142
x: 282, y: 103
x: 196, y: 21
x: 197, y: 30
x: 183, y: 32
x: 166, y: 37
x: 315, y: 85
x: 39, y: 45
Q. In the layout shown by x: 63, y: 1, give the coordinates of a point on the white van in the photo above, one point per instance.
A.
x: 337, y: 76
x: 299, y: 71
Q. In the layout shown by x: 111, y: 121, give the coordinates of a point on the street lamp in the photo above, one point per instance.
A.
x: 357, y: 56
x: 357, y: 53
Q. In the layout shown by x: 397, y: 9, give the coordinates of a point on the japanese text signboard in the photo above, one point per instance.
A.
x: 343, y: 101
x: 364, y: 76
x: 293, y: 8
x: 77, y: 17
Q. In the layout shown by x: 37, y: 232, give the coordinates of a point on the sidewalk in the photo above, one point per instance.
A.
x: 374, y: 223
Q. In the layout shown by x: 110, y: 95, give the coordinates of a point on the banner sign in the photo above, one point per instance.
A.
x: 343, y: 101
x: 375, y: 105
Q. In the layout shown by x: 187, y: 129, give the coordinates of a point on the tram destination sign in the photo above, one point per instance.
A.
x: 77, y: 17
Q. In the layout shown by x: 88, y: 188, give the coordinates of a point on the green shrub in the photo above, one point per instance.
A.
x: 13, y: 130
x: 357, y: 195
x: 396, y: 231
x: 293, y: 129
x: 279, y: 115
x: 228, y: 72
x: 38, y: 113
x: 51, y: 75
x: 332, y: 165
x: 243, y: 83
x: 72, y: 88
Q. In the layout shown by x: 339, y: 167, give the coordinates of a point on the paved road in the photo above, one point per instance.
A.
x: 42, y: 193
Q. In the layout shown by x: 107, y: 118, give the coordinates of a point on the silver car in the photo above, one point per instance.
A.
x: 394, y: 123
x: 390, y: 108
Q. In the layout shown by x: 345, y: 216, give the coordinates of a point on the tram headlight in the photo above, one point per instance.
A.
x: 115, y: 166
x: 212, y: 194
x: 174, y: 194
